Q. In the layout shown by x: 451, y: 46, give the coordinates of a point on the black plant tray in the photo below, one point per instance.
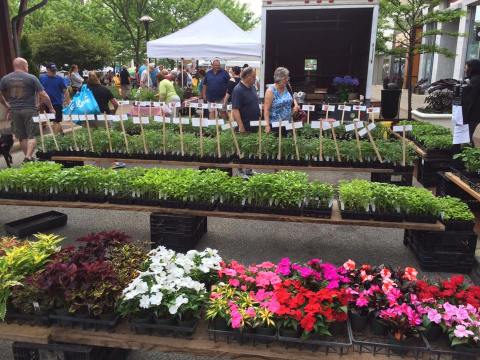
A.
x: 391, y: 217
x: 339, y: 344
x: 185, y: 332
x: 36, y: 196
x: 441, y: 350
x: 323, y: 213
x: 458, y: 225
x: 258, y: 209
x: 293, y: 211
x: 202, y: 206
x: 355, y: 215
x: 243, y: 337
x: 427, y: 219
x: 64, y: 197
x: 176, y: 204
x: 35, y: 224
x: 85, y: 323
x: 366, y: 342
x: 93, y: 198
x: 147, y: 201
x: 229, y: 207
x: 126, y: 200
x: 30, y: 319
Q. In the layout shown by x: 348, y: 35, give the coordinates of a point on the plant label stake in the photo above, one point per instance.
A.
x: 89, y: 131
x: 369, y: 128
x: 293, y: 126
x: 308, y: 108
x: 259, y: 123
x: 124, y: 117
x: 72, y: 126
x: 108, y: 132
x: 332, y: 127
x: 202, y: 107
x: 280, y: 124
x: 344, y: 108
x: 142, y: 120
x: 403, y: 129
x: 231, y: 124
x: 354, y: 127
x: 49, y: 117
x: 217, y: 128
x: 40, y: 127
x: 359, y: 108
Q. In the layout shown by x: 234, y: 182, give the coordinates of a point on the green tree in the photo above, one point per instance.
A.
x: 405, y: 19
x: 169, y: 16
x: 72, y: 46
x: 27, y: 54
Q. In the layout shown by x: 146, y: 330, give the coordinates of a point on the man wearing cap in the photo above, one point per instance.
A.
x: 18, y: 92
x: 57, y: 91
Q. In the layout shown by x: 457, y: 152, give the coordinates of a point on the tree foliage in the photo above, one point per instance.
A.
x: 407, y: 19
x: 72, y: 46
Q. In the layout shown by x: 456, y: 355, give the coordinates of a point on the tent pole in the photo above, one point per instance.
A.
x: 182, y: 74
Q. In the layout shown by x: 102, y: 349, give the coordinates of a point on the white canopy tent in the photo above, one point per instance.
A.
x: 213, y: 35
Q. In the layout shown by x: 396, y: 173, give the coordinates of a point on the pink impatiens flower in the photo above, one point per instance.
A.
x: 266, y: 278
x: 234, y: 282
x: 349, y: 265
x: 434, y: 316
x: 283, y: 267
x: 462, y: 332
x: 361, y: 301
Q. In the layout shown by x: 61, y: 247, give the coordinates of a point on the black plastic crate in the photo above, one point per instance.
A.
x: 428, y: 168
x: 445, y: 241
x: 174, y: 224
x: 171, y: 330
x: 446, y: 187
x: 29, y: 351
x: 85, y: 323
x: 395, y: 178
x: 37, y: 223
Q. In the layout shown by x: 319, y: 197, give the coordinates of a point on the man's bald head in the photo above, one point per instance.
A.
x: 20, y: 64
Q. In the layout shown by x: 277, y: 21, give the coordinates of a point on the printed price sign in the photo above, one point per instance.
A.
x: 329, y: 108
x: 228, y: 126
x: 399, y: 128
x: 362, y: 132
x: 359, y: 107
x: 371, y: 127
x: 141, y: 120
x: 159, y: 119
x: 308, y: 107
x: 256, y: 123
x: 344, y: 107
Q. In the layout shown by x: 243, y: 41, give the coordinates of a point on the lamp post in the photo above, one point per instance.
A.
x: 146, y: 20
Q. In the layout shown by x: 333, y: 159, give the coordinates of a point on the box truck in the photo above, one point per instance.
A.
x: 318, y: 40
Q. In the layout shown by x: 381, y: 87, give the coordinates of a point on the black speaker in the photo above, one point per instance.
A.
x: 390, y: 103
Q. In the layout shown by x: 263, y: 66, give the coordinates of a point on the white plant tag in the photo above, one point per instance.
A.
x: 336, y: 124
x: 124, y: 117
x: 36, y: 119
x: 362, y: 132
x: 216, y: 106
x: 399, y: 128
x: 156, y: 104
x: 110, y: 117
x: 308, y: 107
x: 255, y: 123
x: 192, y: 105
x: 116, y: 118
x: 344, y: 107
x: 371, y: 126
x: 145, y: 103
x: 159, y: 119
x: 227, y: 126
x: 350, y: 127
x: 196, y: 122
x: 82, y: 117
x: 91, y: 117
x: 99, y: 117
x: 315, y: 124
x: 143, y: 120
x: 75, y: 117
x: 229, y: 107
x: 123, y: 102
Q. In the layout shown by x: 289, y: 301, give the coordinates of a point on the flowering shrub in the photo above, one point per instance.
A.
x: 345, y: 85
x: 171, y: 284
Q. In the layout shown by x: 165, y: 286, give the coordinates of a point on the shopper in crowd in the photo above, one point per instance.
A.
x: 56, y: 89
x: 19, y: 91
x: 471, y: 96
x: 245, y: 105
x: 166, y: 89
x: 137, y: 76
x: 215, y: 84
x: 142, y: 68
x: 201, y: 76
x: 278, y: 100
x: 125, y: 83
x: 102, y: 94
x: 184, y: 79
x: 145, y: 78
x: 76, y: 80
x: 234, y: 81
x: 153, y: 76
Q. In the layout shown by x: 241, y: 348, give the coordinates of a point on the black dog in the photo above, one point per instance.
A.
x: 6, y: 143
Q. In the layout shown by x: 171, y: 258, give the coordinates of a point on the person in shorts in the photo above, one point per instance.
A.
x: 19, y: 91
x: 56, y: 89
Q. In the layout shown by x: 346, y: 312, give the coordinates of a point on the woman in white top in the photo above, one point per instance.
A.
x: 76, y: 80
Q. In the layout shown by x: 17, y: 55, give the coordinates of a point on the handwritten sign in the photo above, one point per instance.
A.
x: 359, y: 107
x: 160, y: 119
x: 185, y: 121
x: 227, y: 126
x: 330, y: 108
x: 374, y: 110
x: 141, y: 120
x: 277, y: 124
x: 344, y: 107
x: 123, y: 102
x: 297, y: 125
x: 256, y: 123
x: 371, y: 127
x: 362, y: 132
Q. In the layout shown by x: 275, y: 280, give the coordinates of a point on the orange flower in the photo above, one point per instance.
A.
x: 349, y: 265
x: 410, y: 274
x: 385, y: 273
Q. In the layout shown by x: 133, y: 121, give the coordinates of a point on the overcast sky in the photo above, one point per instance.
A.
x: 255, y: 5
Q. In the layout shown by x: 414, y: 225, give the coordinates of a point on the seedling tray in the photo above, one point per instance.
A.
x: 37, y: 223
x: 230, y: 207
x: 366, y: 342
x: 323, y: 213
x: 441, y: 350
x: 85, y: 323
x: 174, y: 330
x: 242, y: 337
x: 30, y: 319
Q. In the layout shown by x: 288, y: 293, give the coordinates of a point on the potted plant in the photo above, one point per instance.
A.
x: 455, y: 214
x: 345, y: 87
x: 355, y: 197
x: 318, y: 199
x: 437, y: 109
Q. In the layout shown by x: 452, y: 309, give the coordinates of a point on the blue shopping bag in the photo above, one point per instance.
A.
x: 82, y: 103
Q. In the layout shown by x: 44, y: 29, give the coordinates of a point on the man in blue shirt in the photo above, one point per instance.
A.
x: 56, y: 89
x: 142, y: 68
x: 245, y: 103
x: 215, y: 84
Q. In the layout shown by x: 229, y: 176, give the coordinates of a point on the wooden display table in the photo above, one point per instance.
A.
x: 462, y: 185
x: 336, y: 218
x: 200, y: 345
x: 218, y: 165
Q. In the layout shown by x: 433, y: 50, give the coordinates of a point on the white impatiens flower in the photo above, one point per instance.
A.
x: 179, y: 301
x: 156, y: 299
x: 145, y: 302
